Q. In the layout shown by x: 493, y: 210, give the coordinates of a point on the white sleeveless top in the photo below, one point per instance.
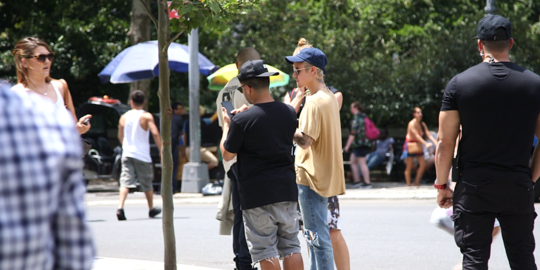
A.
x: 136, y: 142
x: 59, y: 99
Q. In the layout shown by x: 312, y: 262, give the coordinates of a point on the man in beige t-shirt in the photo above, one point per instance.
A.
x: 320, y: 166
x: 319, y: 161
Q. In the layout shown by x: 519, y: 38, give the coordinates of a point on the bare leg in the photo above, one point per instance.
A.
x: 354, y: 169
x: 364, y: 168
x: 496, y: 230
x: 123, y: 195
x: 270, y: 264
x: 409, y: 164
x: 341, y: 251
x: 421, y: 169
x: 293, y: 262
x: 150, y: 198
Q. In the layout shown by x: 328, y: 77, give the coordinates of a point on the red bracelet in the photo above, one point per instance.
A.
x: 443, y: 186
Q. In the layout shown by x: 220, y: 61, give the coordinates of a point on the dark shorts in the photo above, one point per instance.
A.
x: 415, y: 155
x: 361, y: 151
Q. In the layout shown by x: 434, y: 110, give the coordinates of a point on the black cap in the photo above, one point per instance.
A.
x: 254, y: 69
x: 313, y: 56
x: 488, y: 26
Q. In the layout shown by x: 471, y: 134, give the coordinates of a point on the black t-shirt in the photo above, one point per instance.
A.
x: 498, y: 107
x: 206, y: 138
x: 262, y: 137
x: 177, y: 125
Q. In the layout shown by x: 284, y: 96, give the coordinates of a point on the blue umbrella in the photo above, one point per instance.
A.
x: 140, y: 62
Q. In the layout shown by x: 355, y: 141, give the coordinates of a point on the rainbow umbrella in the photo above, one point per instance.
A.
x: 222, y: 76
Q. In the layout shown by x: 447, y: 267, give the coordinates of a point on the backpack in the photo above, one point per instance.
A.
x: 372, y: 133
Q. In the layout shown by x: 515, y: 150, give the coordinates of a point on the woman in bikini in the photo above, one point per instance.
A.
x: 416, y: 132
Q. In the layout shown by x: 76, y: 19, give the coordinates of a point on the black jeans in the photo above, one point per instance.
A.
x: 175, y: 167
x: 483, y: 195
x: 242, y: 256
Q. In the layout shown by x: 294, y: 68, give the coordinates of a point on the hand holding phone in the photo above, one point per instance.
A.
x: 229, y: 107
x: 85, y: 122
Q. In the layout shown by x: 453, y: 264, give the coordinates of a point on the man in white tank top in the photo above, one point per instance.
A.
x: 133, y: 132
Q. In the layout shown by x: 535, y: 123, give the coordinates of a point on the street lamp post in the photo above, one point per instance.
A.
x: 195, y: 173
x: 490, y: 7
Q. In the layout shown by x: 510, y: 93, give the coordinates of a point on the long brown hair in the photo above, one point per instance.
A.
x: 25, y: 49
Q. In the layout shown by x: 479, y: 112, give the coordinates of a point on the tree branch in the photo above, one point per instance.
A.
x: 149, y: 13
x: 174, y: 38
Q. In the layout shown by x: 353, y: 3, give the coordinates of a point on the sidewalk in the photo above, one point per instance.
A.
x: 102, y: 263
x: 107, y: 194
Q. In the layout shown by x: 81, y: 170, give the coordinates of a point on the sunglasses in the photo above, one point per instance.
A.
x: 42, y: 57
x: 296, y: 71
x: 241, y: 88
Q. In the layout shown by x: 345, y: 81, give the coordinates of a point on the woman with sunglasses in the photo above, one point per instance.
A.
x: 33, y: 60
x: 296, y: 98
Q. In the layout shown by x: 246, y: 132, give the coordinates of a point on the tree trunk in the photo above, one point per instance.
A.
x: 166, y: 117
x: 139, y: 31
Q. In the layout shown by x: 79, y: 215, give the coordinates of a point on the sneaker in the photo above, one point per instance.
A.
x: 354, y: 185
x: 154, y: 212
x: 364, y: 185
x: 120, y: 214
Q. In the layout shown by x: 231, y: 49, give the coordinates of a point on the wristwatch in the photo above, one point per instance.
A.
x: 437, y: 186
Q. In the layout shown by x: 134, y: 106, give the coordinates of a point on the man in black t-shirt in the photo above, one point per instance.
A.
x: 262, y: 138
x: 497, y: 103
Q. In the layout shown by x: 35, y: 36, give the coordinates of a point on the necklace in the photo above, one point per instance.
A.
x: 44, y: 93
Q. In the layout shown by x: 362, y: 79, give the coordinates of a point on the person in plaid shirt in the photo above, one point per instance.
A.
x: 42, y: 215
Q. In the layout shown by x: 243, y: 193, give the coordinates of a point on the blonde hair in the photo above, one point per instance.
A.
x: 302, y: 44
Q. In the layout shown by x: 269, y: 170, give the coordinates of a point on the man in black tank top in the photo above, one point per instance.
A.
x: 497, y: 103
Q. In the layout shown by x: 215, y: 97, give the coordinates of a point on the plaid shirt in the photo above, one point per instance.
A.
x: 42, y: 212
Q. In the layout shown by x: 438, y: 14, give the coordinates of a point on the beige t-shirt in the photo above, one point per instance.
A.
x: 321, y: 165
x: 230, y: 93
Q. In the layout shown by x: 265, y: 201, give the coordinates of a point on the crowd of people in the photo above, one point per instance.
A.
x: 283, y: 160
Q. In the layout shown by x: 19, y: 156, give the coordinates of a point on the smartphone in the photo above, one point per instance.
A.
x: 85, y: 122
x: 228, y: 106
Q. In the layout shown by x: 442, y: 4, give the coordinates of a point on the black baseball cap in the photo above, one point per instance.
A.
x: 313, y: 56
x: 254, y: 69
x: 488, y: 26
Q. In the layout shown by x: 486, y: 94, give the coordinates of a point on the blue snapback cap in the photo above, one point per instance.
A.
x: 313, y: 56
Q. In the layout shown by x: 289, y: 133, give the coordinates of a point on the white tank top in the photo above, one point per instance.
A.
x: 59, y: 99
x: 136, y: 143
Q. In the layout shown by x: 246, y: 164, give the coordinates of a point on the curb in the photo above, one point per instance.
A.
x: 105, y: 263
x: 392, y: 193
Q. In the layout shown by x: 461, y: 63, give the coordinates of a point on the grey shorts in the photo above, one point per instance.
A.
x: 334, y: 217
x: 135, y: 171
x: 272, y: 230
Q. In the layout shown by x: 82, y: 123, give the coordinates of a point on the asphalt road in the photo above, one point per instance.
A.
x: 381, y: 234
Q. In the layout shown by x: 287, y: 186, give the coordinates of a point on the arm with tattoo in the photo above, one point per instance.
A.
x: 302, y: 139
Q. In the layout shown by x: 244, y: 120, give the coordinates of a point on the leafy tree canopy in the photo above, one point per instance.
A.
x: 391, y: 55
x: 85, y: 35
